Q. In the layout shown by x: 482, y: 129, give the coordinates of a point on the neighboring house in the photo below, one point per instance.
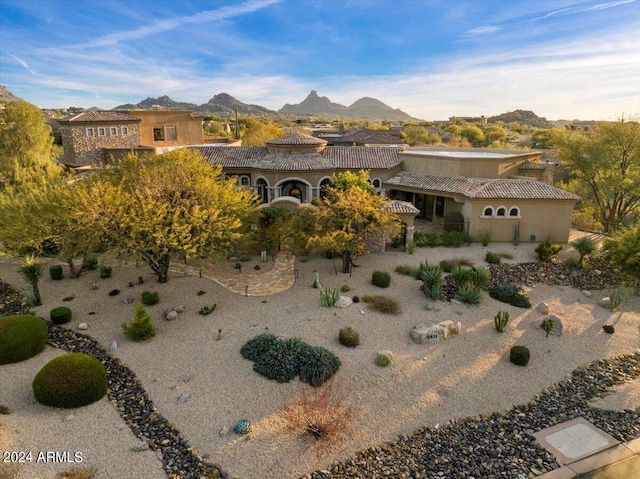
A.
x: 93, y: 137
x: 360, y: 137
x: 495, y: 190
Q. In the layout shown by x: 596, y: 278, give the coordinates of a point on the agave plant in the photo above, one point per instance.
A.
x: 479, y: 277
x: 460, y: 276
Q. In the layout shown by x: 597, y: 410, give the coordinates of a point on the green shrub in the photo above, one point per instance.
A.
x: 454, y: 222
x: 60, y: 315
x: 149, y: 298
x: 71, y: 380
x: 244, y: 258
x: 434, y: 291
x: 469, y: 295
x: 609, y: 329
x: 56, y: 272
x: 615, y: 299
x: 281, y: 362
x: 403, y: 269
x: 105, y: 272
x: 573, y: 262
x: 430, y: 275
x: 345, y: 288
x: 412, y: 247
x: 511, y: 294
x: 381, y: 279
x: 89, y: 263
x: 257, y: 346
x: 383, y: 360
x: 207, y: 310
x: 330, y: 254
x: 548, y: 250
x: 454, y: 238
x: 500, y: 320
x: 547, y: 326
x: 485, y: 237
x: 22, y: 336
x: 584, y: 246
x: 479, y: 277
x: 448, y: 265
x: 318, y: 365
x: 460, y: 276
x: 382, y: 304
x: 519, y: 355
x: 427, y: 239
x: 349, y: 337
x: 492, y: 258
x: 140, y: 328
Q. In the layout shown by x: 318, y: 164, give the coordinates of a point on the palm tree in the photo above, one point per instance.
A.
x: 584, y: 246
x: 31, y: 271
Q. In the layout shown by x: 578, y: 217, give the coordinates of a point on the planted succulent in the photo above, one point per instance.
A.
x: 328, y: 296
x: 243, y: 426
x: 56, y: 272
x: 206, y: 310
x: 500, y: 320
x: 547, y: 325
x: 519, y: 355
x: 608, y: 328
x: 383, y: 359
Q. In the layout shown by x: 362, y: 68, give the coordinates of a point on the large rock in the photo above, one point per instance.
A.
x: 543, y: 308
x: 605, y: 302
x: 424, y: 333
x: 343, y: 302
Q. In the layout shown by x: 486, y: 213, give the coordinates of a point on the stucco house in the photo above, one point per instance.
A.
x: 495, y: 190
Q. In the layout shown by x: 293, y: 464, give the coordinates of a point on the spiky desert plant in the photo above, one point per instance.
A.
x: 479, y: 277
x: 500, y: 320
x: 547, y: 325
x: 460, y: 276
x: 328, y: 296
x: 584, y: 246
x: 31, y: 271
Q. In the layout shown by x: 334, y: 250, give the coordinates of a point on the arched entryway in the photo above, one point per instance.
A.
x: 295, y: 188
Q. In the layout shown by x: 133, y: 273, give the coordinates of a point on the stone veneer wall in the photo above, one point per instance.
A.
x: 81, y: 150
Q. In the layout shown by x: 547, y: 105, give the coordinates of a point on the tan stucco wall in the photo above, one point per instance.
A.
x: 541, y: 218
x: 422, y: 162
x: 188, y: 126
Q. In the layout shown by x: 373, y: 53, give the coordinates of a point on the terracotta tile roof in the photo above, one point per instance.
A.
x: 476, y: 188
x: 332, y: 158
x: 527, y: 165
x: 98, y: 115
x: 296, y: 139
x: 397, y: 206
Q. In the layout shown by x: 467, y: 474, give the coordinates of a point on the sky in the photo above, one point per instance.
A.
x: 562, y: 59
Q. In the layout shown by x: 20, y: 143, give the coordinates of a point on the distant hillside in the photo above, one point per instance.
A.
x: 162, y: 102
x: 224, y: 104
x: 6, y: 95
x: 363, y: 108
x: 524, y: 117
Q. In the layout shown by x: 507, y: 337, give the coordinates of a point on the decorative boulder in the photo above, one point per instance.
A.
x: 423, y: 333
x: 171, y: 315
x: 343, y: 302
x: 605, y: 302
x: 543, y: 308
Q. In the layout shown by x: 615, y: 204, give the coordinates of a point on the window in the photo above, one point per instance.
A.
x: 502, y: 211
x: 488, y: 211
x: 244, y: 180
x: 377, y: 183
x: 89, y: 132
x: 113, y: 131
x: 101, y: 131
x: 124, y: 130
x: 261, y: 189
x: 158, y: 133
x: 514, y: 211
x: 170, y: 133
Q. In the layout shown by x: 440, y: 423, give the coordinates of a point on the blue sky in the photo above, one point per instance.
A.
x: 563, y: 59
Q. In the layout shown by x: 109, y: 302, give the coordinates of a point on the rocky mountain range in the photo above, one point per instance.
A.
x: 6, y: 95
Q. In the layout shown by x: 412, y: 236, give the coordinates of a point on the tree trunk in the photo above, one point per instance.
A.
x: 36, y: 294
x: 73, y: 273
x: 346, y: 262
x: 163, y: 269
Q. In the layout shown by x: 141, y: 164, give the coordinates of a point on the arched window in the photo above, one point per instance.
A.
x: 261, y: 190
x: 377, y: 184
x: 324, y: 184
x: 245, y: 180
x: 501, y: 211
x: 514, y: 211
x: 488, y: 211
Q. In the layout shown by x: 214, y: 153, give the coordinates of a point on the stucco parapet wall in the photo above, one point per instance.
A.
x: 480, y: 188
x: 99, y: 117
x: 470, y: 153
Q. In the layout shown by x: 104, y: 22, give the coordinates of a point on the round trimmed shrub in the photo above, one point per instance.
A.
x: 60, y: 315
x: 256, y: 347
x: 609, y: 329
x: 149, y: 298
x: 519, y: 355
x: 381, y: 279
x: 56, y: 272
x: 349, y: 337
x: 105, y: 272
x: 22, y: 336
x: 492, y: 258
x: 383, y: 360
x: 71, y: 380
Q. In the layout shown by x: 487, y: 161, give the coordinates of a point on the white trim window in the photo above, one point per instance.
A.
x: 102, y: 131
x: 124, y: 130
x: 244, y: 180
x: 487, y: 212
x: 90, y: 132
x: 113, y: 131
x: 514, y: 212
x: 501, y: 212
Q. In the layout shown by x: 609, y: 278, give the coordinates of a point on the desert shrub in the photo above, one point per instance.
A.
x: 323, y: 412
x: 547, y: 326
x: 504, y: 255
x: 573, y: 262
x: 78, y: 473
x: 519, y: 355
x: 345, y: 288
x: 485, y: 237
x: 500, y: 320
x: 383, y: 360
x: 56, y: 272
x: 479, y: 277
x: 382, y: 304
x: 207, y: 310
x: 427, y: 239
x: 447, y: 265
x: 60, y: 315
x: 304, y: 259
x: 22, y: 336
x: 244, y: 258
x: 256, y: 267
x: 201, y: 292
x: 281, y: 362
x: 615, y: 299
x: 492, y: 258
x: 149, y: 298
x: 454, y: 221
x: 89, y: 263
x: 454, y: 238
x: 114, y: 292
x: 318, y: 365
x: 415, y: 272
x: 105, y: 272
x: 469, y: 295
x: 356, y: 299
x: 510, y: 293
x: 140, y: 328
x: 349, y: 337
x: 4, y: 409
x: 381, y: 279
x: 71, y: 380
x: 403, y: 269
x: 547, y: 250
x: 460, y: 276
x: 257, y: 346
x: 609, y: 329
x: 412, y: 247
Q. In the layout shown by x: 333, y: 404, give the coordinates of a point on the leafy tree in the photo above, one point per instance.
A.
x: 26, y: 153
x: 418, y: 135
x: 608, y: 161
x: 157, y: 206
x: 541, y: 138
x: 495, y: 133
x: 258, y: 133
x: 349, y: 213
x: 623, y: 250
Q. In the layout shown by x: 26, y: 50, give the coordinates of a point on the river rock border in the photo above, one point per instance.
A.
x: 500, y: 445
x: 132, y: 402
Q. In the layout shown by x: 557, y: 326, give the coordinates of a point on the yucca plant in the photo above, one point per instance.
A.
x: 431, y: 275
x: 434, y: 291
x: 584, y: 246
x: 500, y: 320
x: 460, y: 276
x: 479, y: 277
x: 468, y: 295
x: 31, y: 271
